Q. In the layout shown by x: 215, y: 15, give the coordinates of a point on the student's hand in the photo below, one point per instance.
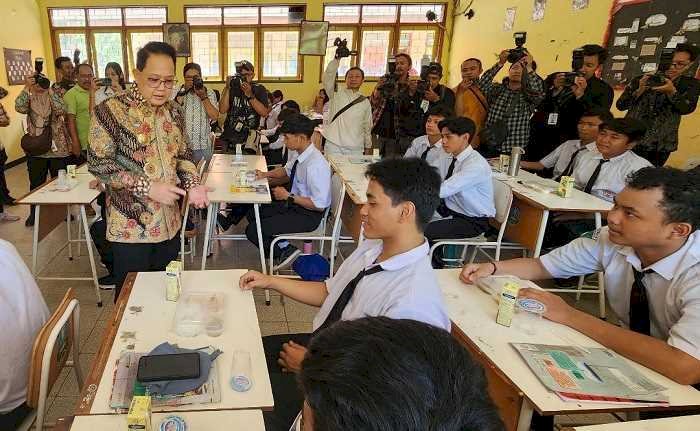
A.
x: 254, y: 280
x: 260, y: 175
x: 557, y: 310
x: 667, y: 88
x: 291, y: 356
x: 503, y: 57
x: 474, y: 271
x: 201, y: 93
x: 431, y: 96
x: 165, y: 193
x: 280, y: 193
x: 579, y: 86
x: 198, y: 196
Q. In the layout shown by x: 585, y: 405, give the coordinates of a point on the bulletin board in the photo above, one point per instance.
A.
x: 639, y: 29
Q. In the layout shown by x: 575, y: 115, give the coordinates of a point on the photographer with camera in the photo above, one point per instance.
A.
x: 396, y: 114
x: 470, y: 101
x: 348, y: 125
x: 433, y: 92
x: 199, y: 108
x: 568, y: 96
x: 244, y: 102
x: 660, y: 99
x: 64, y: 76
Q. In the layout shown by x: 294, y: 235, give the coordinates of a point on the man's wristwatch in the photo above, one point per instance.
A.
x: 290, y: 199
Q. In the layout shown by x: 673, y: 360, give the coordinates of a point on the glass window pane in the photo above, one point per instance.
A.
x: 241, y: 46
x: 379, y: 13
x: 330, y: 49
x: 69, y: 42
x: 203, y: 15
x: 417, y: 43
x: 139, y: 39
x: 281, y: 14
x: 342, y: 14
x: 240, y: 15
x: 375, y: 51
x: 205, y: 52
x: 108, y: 47
x: 280, y: 54
x: 105, y: 17
x: 68, y: 17
x: 145, y: 15
x: 416, y: 13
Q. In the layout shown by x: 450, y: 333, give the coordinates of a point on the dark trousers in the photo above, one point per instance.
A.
x: 394, y: 147
x: 559, y: 233
x: 38, y: 168
x: 98, y: 233
x: 280, y: 217
x: 452, y: 228
x: 285, y: 391
x: 4, y: 191
x: 656, y: 158
x: 13, y: 419
x: 274, y: 157
x: 142, y: 258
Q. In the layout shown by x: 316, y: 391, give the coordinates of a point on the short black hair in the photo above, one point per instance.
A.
x: 459, y: 125
x: 630, y: 127
x: 194, y: 66
x: 406, y: 56
x: 377, y: 373
x: 152, y: 48
x: 593, y: 49
x: 409, y: 180
x: 291, y: 104
x: 603, y: 114
x: 692, y: 50
x: 298, y: 124
x: 85, y: 65
x: 277, y: 94
x: 59, y: 61
x: 474, y: 59
x: 362, y: 72
x: 679, y: 188
x: 247, y: 65
x: 439, y: 110
x: 286, y: 113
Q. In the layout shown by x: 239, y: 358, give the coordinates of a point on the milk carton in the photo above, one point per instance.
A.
x: 506, y: 304
x: 173, y: 281
x: 139, y: 416
x: 566, y: 186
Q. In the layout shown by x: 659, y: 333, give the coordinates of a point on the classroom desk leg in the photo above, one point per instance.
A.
x: 207, y: 235
x: 261, y: 248
x: 540, y: 234
x: 525, y: 417
x: 70, y: 236
x: 88, y: 245
x: 35, y: 238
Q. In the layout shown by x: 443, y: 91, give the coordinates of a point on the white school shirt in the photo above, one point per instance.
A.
x: 104, y: 93
x: 350, y: 133
x: 22, y: 314
x: 469, y: 190
x: 673, y: 289
x: 271, y: 119
x: 561, y: 156
x: 435, y: 155
x: 613, y: 174
x: 407, y: 288
x: 313, y: 176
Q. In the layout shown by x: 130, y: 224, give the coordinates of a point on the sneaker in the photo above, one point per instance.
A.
x: 223, y: 222
x: 5, y: 217
x: 106, y: 282
x: 284, y: 257
x: 29, y: 222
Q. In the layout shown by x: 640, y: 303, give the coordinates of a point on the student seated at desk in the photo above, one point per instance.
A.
x: 562, y: 159
x: 301, y: 208
x: 351, y: 381
x: 650, y: 253
x: 276, y: 152
x: 429, y: 146
x: 389, y: 274
x: 466, y: 193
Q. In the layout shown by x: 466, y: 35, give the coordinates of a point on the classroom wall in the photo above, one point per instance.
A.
x: 21, y: 29
x: 551, y: 41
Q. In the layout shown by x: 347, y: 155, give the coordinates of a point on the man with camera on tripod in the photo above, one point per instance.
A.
x: 348, y: 126
x: 245, y: 102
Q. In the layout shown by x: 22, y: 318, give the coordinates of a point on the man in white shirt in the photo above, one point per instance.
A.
x: 347, y: 132
x: 650, y: 253
x: 562, y: 159
x: 466, y: 192
x: 22, y: 314
x: 429, y: 146
x: 389, y: 273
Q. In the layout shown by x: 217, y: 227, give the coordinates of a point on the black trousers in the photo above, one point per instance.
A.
x: 274, y: 157
x: 13, y: 419
x: 142, y: 258
x: 4, y: 191
x: 278, y: 218
x: 98, y: 233
x: 456, y: 227
x: 39, y: 167
x: 285, y: 390
x: 656, y: 158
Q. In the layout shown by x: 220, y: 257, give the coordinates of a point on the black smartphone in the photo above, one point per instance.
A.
x: 176, y: 366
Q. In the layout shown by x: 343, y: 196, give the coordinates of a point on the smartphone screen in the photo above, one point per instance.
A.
x: 178, y: 366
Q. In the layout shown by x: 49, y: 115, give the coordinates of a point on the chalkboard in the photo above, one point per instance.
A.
x: 640, y: 29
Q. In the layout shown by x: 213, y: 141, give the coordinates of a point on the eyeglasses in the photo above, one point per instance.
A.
x: 679, y: 65
x: 155, y: 82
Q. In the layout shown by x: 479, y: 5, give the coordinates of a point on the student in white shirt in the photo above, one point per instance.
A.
x: 562, y: 159
x: 350, y: 132
x: 275, y: 108
x: 401, y: 198
x: 22, y: 314
x: 276, y: 152
x: 429, y: 146
x: 466, y: 192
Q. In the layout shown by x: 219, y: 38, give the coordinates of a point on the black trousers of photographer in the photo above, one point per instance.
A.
x: 394, y: 147
x: 39, y: 167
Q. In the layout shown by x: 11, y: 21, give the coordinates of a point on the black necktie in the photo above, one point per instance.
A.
x: 570, y: 166
x: 442, y: 208
x: 451, y: 169
x: 344, y: 298
x: 293, y: 174
x: 594, y: 177
x: 425, y: 153
x: 639, y: 305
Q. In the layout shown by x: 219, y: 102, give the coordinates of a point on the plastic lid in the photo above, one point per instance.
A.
x: 531, y: 305
x: 173, y: 423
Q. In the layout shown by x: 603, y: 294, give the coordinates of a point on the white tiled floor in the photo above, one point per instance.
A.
x: 277, y: 318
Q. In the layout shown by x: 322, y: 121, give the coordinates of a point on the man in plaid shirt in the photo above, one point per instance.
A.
x: 522, y: 89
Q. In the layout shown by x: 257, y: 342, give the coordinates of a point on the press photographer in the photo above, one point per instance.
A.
x: 660, y: 99
x: 199, y: 106
x: 348, y: 126
x: 470, y: 102
x: 245, y: 102
x: 433, y: 92
x: 396, y: 112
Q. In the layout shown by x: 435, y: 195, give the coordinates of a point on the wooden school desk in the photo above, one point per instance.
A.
x: 514, y: 388
x: 680, y: 423
x: 222, y: 420
x: 353, y: 175
x: 143, y: 319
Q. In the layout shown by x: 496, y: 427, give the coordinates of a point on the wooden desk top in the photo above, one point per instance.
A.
x: 222, y: 420
x: 473, y: 314
x: 223, y: 173
x: 353, y: 175
x: 80, y: 194
x: 225, y: 163
x: 680, y: 423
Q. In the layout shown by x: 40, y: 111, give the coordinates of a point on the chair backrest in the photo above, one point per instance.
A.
x: 337, y: 200
x: 52, y: 346
x: 503, y: 201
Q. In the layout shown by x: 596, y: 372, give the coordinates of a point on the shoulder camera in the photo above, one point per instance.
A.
x: 39, y: 77
x: 665, y: 60
x: 515, y: 54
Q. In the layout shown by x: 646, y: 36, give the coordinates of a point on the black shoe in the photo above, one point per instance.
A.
x: 107, y: 282
x: 284, y: 257
x: 29, y: 222
x: 9, y: 200
x: 224, y: 222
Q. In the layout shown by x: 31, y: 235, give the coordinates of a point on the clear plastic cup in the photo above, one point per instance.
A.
x: 214, y: 326
x: 241, y: 371
x: 62, y: 180
x: 239, y: 151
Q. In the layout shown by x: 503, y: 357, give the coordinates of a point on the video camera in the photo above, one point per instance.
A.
x: 391, y: 80
x: 39, y: 77
x: 237, y: 79
x: 342, y: 49
x: 515, y: 54
x: 576, y: 65
x: 659, y: 78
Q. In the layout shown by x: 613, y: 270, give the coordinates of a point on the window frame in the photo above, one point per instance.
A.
x: 222, y: 66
